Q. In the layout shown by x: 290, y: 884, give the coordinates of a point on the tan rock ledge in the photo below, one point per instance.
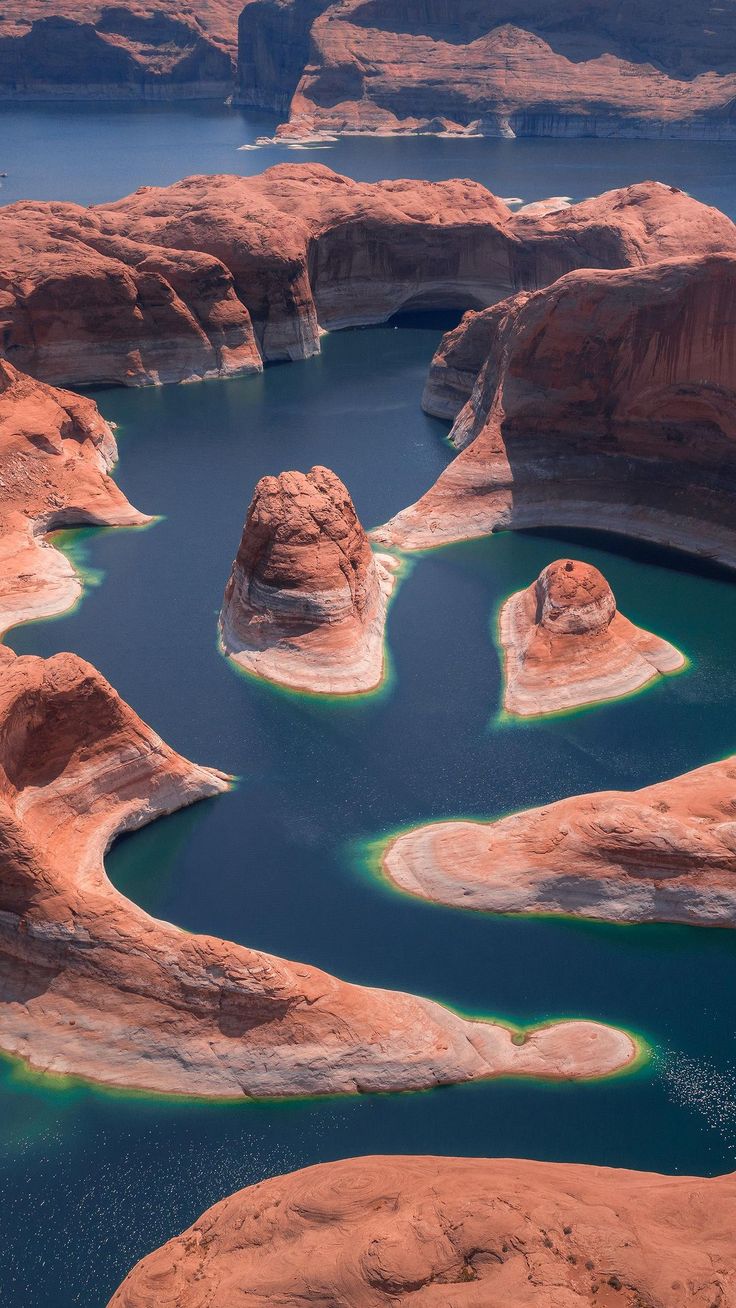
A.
x: 565, y: 644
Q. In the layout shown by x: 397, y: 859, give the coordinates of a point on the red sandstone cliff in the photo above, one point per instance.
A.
x: 90, y: 984
x: 306, y: 601
x: 55, y: 49
x: 608, y: 400
x: 452, y: 1233
x: 521, y: 68
x: 212, y: 275
x: 56, y: 452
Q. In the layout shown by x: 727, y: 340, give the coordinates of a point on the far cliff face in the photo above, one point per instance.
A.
x: 583, y: 68
x: 55, y: 49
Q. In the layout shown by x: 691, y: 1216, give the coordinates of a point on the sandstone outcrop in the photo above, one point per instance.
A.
x: 56, y: 452
x: 214, y: 275
x: 607, y: 400
x: 91, y: 985
x: 666, y: 853
x: 306, y: 601
x: 520, y: 69
x: 452, y: 1233
x: 565, y: 644
x: 154, y: 50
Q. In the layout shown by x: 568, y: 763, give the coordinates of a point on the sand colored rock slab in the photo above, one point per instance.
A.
x: 91, y: 985
x: 401, y: 67
x: 306, y: 601
x: 452, y: 1233
x: 666, y: 853
x: 565, y: 644
x: 213, y: 276
x: 608, y: 401
x: 56, y: 452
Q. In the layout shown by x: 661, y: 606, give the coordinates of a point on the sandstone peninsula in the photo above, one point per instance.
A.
x: 144, y: 50
x: 306, y: 601
x: 452, y: 1233
x: 606, y: 400
x: 666, y: 853
x: 91, y: 985
x: 518, y: 69
x: 56, y: 452
x: 214, y: 276
x: 565, y: 643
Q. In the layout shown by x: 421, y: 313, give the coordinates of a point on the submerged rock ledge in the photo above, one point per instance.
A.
x: 460, y: 1232
x: 91, y: 985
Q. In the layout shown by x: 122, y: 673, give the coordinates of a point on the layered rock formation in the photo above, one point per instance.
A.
x: 91, y: 985
x: 56, y: 452
x: 306, y: 601
x: 521, y: 69
x: 54, y: 49
x: 666, y: 853
x: 213, y: 275
x: 565, y: 643
x: 607, y: 400
x: 455, y: 1233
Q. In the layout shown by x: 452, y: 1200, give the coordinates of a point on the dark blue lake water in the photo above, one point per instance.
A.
x: 92, y: 1180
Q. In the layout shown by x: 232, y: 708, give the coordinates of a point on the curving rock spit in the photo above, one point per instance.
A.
x: 565, y: 643
x: 666, y: 853
x: 606, y: 400
x: 56, y: 452
x: 93, y: 986
x: 452, y: 1233
x: 306, y: 601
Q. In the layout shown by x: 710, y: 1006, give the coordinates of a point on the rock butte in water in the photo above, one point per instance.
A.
x: 213, y: 276
x: 86, y: 49
x: 464, y: 67
x: 666, y: 853
x: 606, y: 400
x: 452, y: 1233
x: 306, y: 601
x: 564, y: 643
x: 91, y: 985
x: 56, y: 451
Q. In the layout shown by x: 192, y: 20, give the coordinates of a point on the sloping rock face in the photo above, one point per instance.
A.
x: 56, y: 452
x: 666, y: 853
x: 91, y: 985
x: 306, y: 601
x: 214, y: 275
x: 88, y: 50
x: 565, y: 644
x: 584, y: 68
x: 608, y: 400
x: 465, y: 1233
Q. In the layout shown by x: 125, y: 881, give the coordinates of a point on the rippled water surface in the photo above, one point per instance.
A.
x: 91, y: 1179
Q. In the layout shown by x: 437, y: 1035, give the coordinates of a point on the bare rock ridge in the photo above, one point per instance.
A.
x: 86, y: 49
x: 91, y: 985
x: 213, y: 276
x: 515, y: 69
x: 666, y: 853
x: 56, y: 452
x: 455, y: 1233
x: 606, y: 400
x: 306, y: 601
x: 565, y: 643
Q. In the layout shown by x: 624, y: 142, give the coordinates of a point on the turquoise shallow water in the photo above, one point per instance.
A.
x: 92, y: 1180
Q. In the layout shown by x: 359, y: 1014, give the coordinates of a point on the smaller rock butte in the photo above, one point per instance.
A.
x: 56, y: 452
x: 306, y: 601
x: 91, y: 985
x: 666, y: 853
x: 452, y: 1233
x: 606, y: 400
x: 565, y: 644
x: 213, y: 276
